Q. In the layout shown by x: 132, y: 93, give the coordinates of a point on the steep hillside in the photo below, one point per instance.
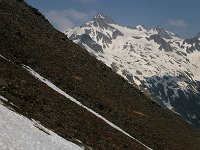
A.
x: 157, y: 61
x: 46, y: 77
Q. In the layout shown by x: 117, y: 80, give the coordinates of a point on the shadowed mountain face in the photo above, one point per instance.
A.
x: 185, y: 100
x: 27, y: 38
x: 194, y: 44
x: 156, y: 61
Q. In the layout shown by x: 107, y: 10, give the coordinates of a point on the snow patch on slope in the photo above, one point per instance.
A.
x: 20, y: 133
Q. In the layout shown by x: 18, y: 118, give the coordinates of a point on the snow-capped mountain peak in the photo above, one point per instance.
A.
x: 165, y: 34
x: 141, y: 28
x: 157, y: 61
x: 103, y: 17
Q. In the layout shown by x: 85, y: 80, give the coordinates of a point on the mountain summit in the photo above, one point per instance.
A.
x: 140, y: 27
x: 104, y: 18
x: 156, y: 61
x: 164, y: 33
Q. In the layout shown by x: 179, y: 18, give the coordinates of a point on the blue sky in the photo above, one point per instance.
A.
x: 179, y: 16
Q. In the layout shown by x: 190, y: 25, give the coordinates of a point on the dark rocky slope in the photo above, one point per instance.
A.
x: 26, y: 37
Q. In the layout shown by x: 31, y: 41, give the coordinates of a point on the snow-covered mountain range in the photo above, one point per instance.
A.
x: 160, y: 63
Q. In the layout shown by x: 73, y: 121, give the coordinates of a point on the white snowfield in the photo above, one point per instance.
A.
x: 139, y: 59
x: 19, y: 133
x: 51, y: 85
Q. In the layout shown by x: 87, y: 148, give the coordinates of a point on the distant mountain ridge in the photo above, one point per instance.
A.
x: 157, y: 61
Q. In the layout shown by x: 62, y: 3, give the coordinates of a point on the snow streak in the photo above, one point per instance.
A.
x: 51, y: 85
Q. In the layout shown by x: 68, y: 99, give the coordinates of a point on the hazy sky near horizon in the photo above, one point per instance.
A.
x: 179, y: 16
